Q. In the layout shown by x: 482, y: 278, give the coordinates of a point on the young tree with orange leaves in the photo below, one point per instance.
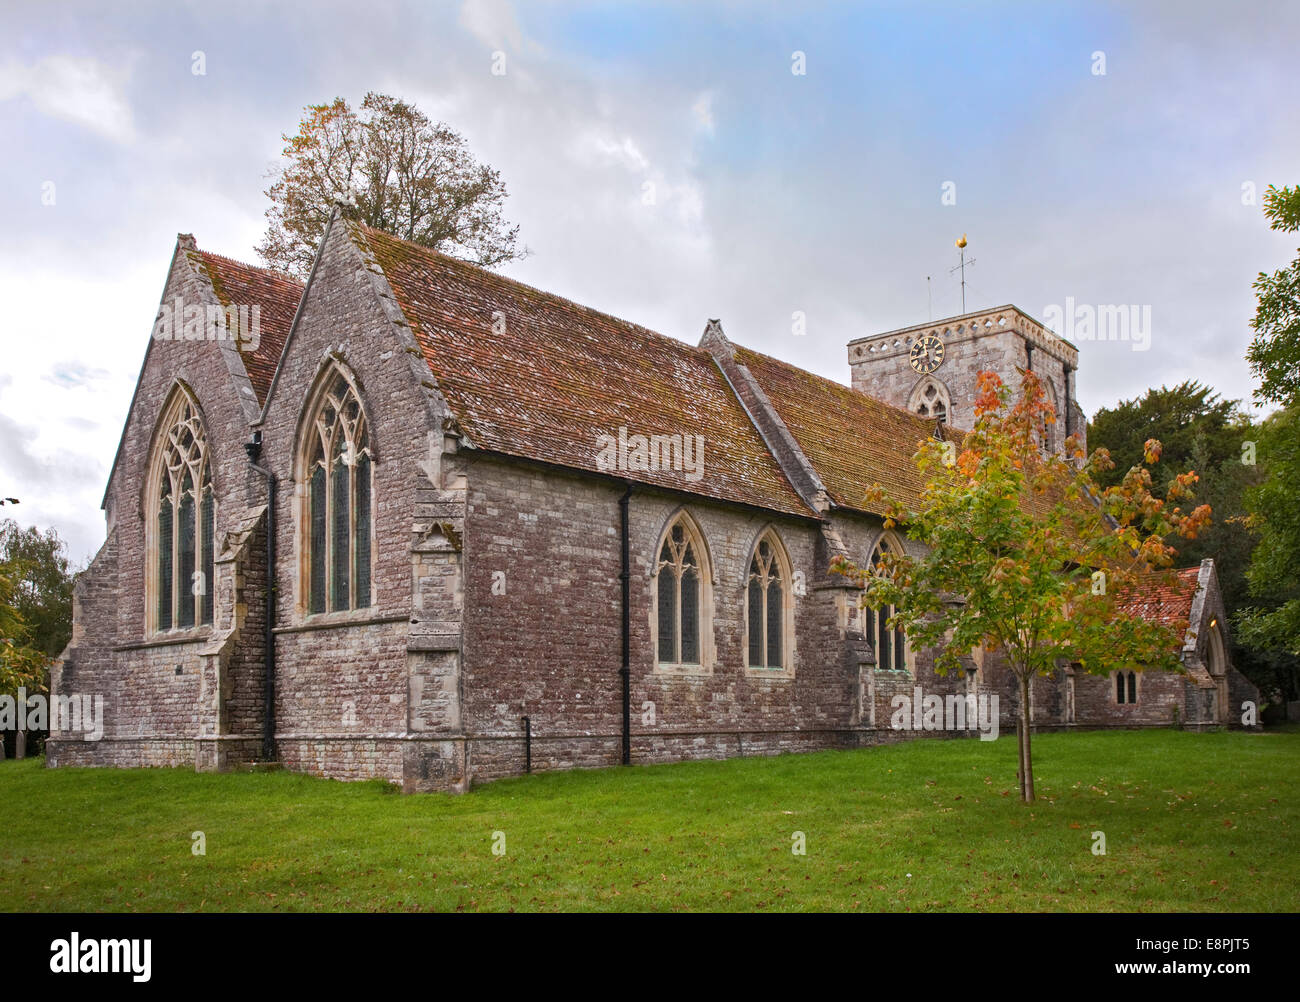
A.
x: 1026, y: 554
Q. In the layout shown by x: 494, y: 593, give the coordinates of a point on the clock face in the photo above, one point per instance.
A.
x: 927, y: 354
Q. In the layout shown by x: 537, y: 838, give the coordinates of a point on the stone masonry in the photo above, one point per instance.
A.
x: 495, y: 589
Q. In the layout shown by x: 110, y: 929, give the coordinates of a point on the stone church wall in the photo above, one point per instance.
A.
x: 550, y: 646
x: 496, y: 593
x: 150, y: 710
x: 342, y: 677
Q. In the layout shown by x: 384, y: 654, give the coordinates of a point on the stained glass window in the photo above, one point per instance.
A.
x: 338, y: 537
x: 766, y: 604
x: 184, y: 537
x: 890, y: 644
x: 679, y: 595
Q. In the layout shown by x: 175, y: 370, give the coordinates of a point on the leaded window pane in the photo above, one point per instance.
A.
x: 165, y: 557
x: 362, y: 568
x: 690, y: 617
x: 1132, y: 687
x: 774, y: 624
x: 208, y: 564
x: 185, y: 555
x: 884, y: 650
x: 755, y: 624
x: 318, y: 538
x: 340, y: 515
x: 667, y: 615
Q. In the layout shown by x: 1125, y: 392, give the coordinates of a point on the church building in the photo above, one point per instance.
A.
x: 417, y: 521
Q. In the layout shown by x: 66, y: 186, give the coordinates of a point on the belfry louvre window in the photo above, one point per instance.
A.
x: 679, y: 581
x: 890, y: 645
x: 182, y: 514
x: 931, y: 400
x: 337, y: 540
x: 766, y: 605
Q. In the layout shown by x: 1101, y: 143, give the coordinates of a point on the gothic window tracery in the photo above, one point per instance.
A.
x: 337, y: 469
x: 182, y: 513
x: 930, y: 400
x: 768, y: 606
x: 682, y: 607
x: 890, y: 644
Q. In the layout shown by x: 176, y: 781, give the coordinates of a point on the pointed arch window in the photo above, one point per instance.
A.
x: 1126, y: 687
x: 337, y: 468
x: 182, y: 513
x: 890, y: 644
x: 683, y: 606
x: 930, y: 400
x: 769, y: 606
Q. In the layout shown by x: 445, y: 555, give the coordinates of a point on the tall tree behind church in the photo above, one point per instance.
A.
x: 1274, y: 356
x: 405, y: 174
x: 1200, y: 431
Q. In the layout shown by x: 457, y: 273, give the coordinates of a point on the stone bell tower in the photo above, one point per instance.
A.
x: 931, y: 368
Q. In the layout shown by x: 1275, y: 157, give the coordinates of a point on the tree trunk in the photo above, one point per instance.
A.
x: 1026, y: 758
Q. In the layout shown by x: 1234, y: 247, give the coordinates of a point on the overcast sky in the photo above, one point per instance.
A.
x: 774, y: 192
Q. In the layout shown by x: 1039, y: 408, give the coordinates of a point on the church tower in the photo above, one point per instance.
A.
x: 931, y: 368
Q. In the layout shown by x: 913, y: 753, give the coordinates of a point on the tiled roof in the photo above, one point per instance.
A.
x: 533, y: 375
x: 852, y: 440
x: 1166, y: 602
x: 276, y: 295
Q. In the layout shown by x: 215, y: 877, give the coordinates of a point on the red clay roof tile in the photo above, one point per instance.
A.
x: 276, y: 295
x: 852, y: 440
x: 533, y: 375
x: 1169, y: 603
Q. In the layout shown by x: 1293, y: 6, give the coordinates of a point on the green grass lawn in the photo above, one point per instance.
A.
x: 1192, y: 822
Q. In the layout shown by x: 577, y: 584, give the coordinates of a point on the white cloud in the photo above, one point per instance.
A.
x: 702, y: 109
x: 596, y: 150
x: 492, y: 22
x: 78, y: 90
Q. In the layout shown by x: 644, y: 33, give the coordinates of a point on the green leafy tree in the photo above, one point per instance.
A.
x: 1275, y: 517
x: 36, y: 583
x: 1025, y: 553
x: 405, y: 174
x: 21, y: 664
x: 43, y: 592
x: 1191, y: 422
x: 1274, y: 352
x: 1274, y: 356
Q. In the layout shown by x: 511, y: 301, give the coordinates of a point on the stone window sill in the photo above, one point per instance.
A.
x: 769, y: 674
x: 190, y: 635
x: 335, y: 620
x: 682, y: 671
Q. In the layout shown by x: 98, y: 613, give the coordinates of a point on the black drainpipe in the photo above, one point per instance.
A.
x: 1029, y: 355
x: 254, y: 450
x: 626, y: 577
x: 1065, y: 366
